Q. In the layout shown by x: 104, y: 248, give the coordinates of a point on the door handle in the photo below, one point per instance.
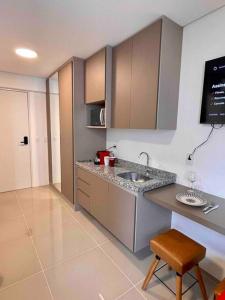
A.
x: 25, y: 140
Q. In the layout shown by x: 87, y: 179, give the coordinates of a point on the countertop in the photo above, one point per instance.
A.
x: 166, y: 197
x: 160, y: 177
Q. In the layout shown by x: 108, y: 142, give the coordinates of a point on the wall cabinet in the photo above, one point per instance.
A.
x: 146, y: 70
x: 95, y: 75
x: 122, y: 55
x: 98, y: 83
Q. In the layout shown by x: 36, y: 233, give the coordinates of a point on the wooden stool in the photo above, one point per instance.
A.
x: 181, y: 253
x: 219, y: 290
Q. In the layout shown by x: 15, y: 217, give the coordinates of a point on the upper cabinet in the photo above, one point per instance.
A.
x: 146, y: 71
x: 145, y: 75
x: 98, y: 85
x: 122, y: 58
x: 98, y: 76
x: 95, y: 70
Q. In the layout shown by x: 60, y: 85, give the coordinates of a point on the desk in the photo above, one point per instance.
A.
x: 166, y: 197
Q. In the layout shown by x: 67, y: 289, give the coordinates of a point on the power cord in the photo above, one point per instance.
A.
x: 191, y: 156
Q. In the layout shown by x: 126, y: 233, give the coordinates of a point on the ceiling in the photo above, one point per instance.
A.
x: 59, y: 29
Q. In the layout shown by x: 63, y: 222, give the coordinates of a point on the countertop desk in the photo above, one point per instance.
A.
x: 166, y: 197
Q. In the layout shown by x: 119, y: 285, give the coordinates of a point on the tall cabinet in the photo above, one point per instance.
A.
x: 69, y: 139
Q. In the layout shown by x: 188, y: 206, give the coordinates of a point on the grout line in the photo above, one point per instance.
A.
x: 18, y: 281
x: 33, y: 244
x: 130, y: 289
x: 121, y: 271
x: 99, y: 246
x: 68, y: 259
x: 116, y: 265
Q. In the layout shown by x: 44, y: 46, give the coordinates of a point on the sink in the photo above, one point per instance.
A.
x: 134, y: 177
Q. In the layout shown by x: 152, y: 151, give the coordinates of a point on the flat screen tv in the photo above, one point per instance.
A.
x: 213, y: 99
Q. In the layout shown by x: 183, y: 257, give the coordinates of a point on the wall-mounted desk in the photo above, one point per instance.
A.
x: 166, y: 197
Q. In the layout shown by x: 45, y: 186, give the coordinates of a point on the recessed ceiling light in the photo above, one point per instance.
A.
x: 27, y: 53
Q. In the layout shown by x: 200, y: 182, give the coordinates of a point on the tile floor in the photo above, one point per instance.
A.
x: 48, y: 251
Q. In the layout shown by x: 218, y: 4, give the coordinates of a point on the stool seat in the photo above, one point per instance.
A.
x: 179, y: 251
x: 220, y: 289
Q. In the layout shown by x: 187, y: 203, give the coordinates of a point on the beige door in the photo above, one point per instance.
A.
x: 15, y: 171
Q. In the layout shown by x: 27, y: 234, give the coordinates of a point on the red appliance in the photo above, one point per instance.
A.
x: 101, y: 155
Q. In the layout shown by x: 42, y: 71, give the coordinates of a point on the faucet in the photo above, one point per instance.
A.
x: 147, y: 172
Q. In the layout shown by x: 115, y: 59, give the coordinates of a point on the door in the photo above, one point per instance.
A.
x: 121, y: 84
x: 66, y: 130
x: 99, y: 196
x: 15, y: 168
x: 121, y: 206
x: 145, y: 75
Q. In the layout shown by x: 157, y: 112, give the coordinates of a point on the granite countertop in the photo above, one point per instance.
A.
x: 160, y: 177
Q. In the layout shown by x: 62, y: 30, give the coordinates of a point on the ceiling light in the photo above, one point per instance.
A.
x: 27, y: 53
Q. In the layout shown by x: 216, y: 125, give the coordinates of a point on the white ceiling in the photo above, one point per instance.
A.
x: 59, y: 29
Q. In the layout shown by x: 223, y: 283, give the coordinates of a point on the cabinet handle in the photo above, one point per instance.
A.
x: 83, y: 193
x: 81, y: 179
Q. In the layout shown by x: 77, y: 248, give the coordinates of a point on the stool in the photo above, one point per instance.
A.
x: 181, y: 254
x: 219, y: 290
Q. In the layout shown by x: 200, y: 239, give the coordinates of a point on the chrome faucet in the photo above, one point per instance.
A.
x: 147, y: 172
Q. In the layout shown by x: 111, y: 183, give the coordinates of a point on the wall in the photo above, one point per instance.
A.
x: 35, y: 88
x: 27, y: 83
x: 203, y: 40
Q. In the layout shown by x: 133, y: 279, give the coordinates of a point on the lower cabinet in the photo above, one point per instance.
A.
x: 112, y: 206
x: 121, y: 214
x: 99, y: 196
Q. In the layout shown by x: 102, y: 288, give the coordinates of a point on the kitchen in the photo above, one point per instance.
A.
x: 130, y: 201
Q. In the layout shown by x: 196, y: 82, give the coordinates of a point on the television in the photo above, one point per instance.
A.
x: 213, y: 98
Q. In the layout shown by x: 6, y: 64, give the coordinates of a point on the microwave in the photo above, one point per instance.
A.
x: 97, y: 117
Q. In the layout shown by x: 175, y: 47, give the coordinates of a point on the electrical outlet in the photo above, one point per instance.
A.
x: 189, y: 159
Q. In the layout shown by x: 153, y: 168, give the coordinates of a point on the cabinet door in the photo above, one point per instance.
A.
x: 121, y: 86
x: 145, y: 74
x: 99, y: 195
x: 121, y: 215
x: 95, y: 72
x: 66, y: 130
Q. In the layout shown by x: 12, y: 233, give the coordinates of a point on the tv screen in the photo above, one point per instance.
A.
x: 213, y: 99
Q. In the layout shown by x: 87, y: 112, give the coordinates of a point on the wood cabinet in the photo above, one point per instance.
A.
x: 65, y: 76
x: 98, y: 84
x: 121, y: 214
x: 113, y: 207
x: 122, y: 56
x: 146, y: 70
x: 99, y: 199
x: 128, y: 216
x: 76, y: 142
x: 145, y: 76
x: 95, y: 74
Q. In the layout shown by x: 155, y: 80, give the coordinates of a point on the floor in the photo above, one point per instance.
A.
x: 48, y: 251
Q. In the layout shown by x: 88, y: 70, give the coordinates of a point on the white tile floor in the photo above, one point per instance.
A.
x: 48, y: 251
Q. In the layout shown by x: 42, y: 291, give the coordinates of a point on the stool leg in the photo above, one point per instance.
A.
x: 178, y: 287
x: 151, y: 272
x: 201, y: 282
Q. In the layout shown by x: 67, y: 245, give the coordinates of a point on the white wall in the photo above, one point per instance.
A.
x: 203, y: 40
x: 27, y: 83
x: 35, y: 88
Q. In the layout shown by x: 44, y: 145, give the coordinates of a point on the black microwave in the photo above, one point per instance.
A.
x: 97, y: 117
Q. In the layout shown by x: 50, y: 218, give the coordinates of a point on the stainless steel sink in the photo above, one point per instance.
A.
x: 134, y: 177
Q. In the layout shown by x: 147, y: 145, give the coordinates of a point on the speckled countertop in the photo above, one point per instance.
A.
x: 159, y: 177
